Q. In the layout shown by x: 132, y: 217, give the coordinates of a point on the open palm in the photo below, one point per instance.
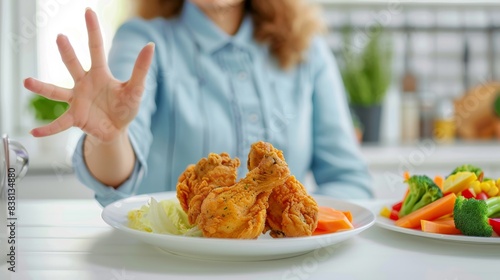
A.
x: 100, y: 105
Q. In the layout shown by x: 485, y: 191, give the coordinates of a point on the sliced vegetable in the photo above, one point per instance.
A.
x: 469, y: 168
x: 406, y: 175
x: 331, y: 220
x: 394, y: 215
x: 385, y: 212
x: 397, y: 206
x: 422, y: 192
x: 441, y: 226
x: 495, y: 224
x: 439, y: 181
x: 320, y: 232
x: 429, y: 212
x: 467, y: 193
x: 482, y: 196
x: 445, y: 217
x: 458, y: 182
x: 348, y: 215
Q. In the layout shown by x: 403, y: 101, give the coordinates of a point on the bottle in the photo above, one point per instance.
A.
x: 410, y: 117
x: 444, y: 122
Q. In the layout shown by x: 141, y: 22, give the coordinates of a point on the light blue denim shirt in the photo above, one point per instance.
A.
x: 210, y: 92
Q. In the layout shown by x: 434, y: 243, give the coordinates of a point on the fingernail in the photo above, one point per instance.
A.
x: 151, y: 44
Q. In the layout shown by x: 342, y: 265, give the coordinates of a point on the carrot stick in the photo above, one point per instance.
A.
x: 441, y: 226
x: 406, y: 175
x: 432, y: 211
x: 439, y: 181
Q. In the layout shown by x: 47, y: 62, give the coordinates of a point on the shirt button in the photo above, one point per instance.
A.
x: 242, y: 76
x: 253, y: 118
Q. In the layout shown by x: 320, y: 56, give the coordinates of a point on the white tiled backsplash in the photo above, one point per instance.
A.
x: 436, y: 44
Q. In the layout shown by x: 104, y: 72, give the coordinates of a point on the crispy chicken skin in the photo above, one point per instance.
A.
x: 239, y: 211
x: 291, y: 212
x: 196, y: 182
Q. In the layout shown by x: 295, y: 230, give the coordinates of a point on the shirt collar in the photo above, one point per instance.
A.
x: 209, y: 36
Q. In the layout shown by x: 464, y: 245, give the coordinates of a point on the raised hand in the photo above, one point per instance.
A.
x: 100, y: 105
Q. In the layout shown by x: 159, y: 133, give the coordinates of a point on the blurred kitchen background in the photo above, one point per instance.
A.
x: 417, y: 74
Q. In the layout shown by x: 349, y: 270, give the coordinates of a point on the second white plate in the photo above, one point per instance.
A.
x: 389, y: 224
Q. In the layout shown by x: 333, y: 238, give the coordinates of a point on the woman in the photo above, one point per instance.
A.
x: 220, y: 75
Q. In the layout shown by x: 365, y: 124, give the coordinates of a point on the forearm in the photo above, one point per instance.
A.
x: 110, y: 163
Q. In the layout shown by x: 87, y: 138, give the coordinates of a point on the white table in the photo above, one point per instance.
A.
x: 66, y: 239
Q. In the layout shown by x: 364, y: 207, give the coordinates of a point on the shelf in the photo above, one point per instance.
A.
x: 430, y: 154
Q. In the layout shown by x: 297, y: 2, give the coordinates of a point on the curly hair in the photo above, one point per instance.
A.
x: 287, y: 26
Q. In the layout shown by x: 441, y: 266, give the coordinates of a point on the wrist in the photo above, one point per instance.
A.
x: 117, y: 139
x: 119, y: 144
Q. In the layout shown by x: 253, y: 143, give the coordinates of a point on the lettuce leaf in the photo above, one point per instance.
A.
x: 164, y: 217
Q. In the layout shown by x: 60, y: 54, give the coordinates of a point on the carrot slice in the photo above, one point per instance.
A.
x: 331, y: 220
x: 430, y: 212
x: 348, y: 215
x: 406, y: 175
x: 439, y: 181
x: 320, y: 232
x: 442, y: 226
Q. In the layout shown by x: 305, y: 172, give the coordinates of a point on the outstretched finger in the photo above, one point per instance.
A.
x: 141, y: 67
x: 97, y: 55
x: 49, y: 91
x: 60, y: 124
x: 69, y: 57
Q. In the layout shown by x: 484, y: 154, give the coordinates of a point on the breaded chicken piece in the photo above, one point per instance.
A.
x: 196, y: 182
x: 291, y: 212
x: 239, y: 211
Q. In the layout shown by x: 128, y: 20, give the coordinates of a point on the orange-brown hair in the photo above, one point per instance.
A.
x: 286, y: 25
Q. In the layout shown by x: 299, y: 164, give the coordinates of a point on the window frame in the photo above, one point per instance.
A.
x: 19, y: 60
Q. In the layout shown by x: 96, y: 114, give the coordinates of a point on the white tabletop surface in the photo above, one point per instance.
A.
x: 66, y: 239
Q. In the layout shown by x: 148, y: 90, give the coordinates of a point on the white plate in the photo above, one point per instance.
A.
x: 389, y: 224
x: 263, y: 248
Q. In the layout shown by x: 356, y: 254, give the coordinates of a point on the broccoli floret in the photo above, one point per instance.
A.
x: 468, y: 167
x: 471, y: 215
x: 422, y: 192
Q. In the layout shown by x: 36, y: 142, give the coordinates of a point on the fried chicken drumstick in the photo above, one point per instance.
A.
x: 291, y: 212
x: 196, y: 182
x: 239, y: 211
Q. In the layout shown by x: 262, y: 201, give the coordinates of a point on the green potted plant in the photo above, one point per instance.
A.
x: 47, y: 110
x: 366, y: 73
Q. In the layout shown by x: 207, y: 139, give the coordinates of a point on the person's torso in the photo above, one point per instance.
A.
x: 223, y: 102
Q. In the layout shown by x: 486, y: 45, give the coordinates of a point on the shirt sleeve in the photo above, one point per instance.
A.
x: 127, y: 43
x: 337, y: 163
